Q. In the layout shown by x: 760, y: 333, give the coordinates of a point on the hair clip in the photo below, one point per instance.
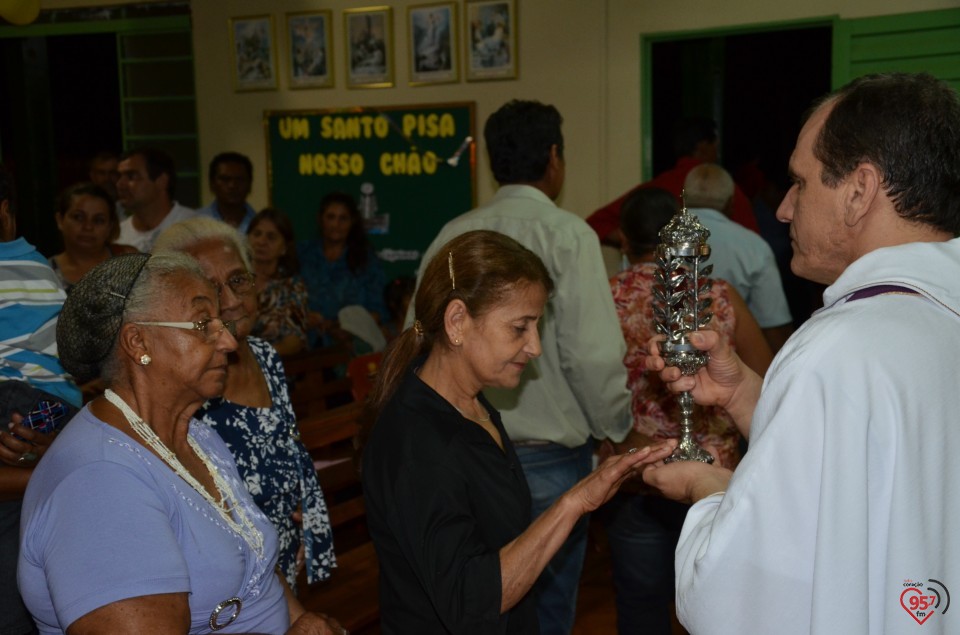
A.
x: 453, y: 280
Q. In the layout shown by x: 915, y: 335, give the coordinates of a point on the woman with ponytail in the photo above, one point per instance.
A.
x: 447, y: 503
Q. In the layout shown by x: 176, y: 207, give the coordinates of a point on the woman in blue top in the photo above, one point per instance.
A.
x: 253, y: 415
x: 340, y: 267
x: 136, y: 520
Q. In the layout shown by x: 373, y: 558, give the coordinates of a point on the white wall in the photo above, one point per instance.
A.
x: 560, y: 51
x: 583, y: 56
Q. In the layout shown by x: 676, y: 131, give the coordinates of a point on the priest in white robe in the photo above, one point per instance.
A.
x: 843, y: 516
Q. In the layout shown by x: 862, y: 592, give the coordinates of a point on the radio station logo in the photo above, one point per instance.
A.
x: 922, y: 600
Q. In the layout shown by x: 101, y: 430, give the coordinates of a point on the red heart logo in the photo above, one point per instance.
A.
x: 922, y: 604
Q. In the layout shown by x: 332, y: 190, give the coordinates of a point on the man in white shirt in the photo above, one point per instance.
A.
x: 843, y: 516
x: 738, y: 255
x: 576, y: 391
x: 145, y: 189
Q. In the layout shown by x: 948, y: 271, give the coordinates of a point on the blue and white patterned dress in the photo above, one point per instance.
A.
x: 276, y: 467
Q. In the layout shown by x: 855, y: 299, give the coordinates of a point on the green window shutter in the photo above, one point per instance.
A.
x: 158, y: 102
x: 910, y: 42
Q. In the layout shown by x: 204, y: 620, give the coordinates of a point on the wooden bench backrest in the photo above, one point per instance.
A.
x: 317, y: 379
x: 351, y: 593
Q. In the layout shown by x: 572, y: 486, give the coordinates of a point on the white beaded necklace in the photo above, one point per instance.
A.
x: 245, y: 528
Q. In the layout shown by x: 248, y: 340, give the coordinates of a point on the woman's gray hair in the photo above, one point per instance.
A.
x: 119, y: 290
x: 186, y: 234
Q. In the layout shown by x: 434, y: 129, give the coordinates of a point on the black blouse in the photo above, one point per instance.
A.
x: 442, y: 499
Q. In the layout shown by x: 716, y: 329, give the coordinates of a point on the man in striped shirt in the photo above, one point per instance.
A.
x: 32, y: 383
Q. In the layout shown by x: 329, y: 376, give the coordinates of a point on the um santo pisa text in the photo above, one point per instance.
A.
x: 411, y: 162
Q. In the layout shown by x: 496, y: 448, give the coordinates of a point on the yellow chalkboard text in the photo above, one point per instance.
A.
x: 332, y: 164
x: 295, y: 128
x: 432, y: 125
x: 365, y: 126
x: 408, y: 163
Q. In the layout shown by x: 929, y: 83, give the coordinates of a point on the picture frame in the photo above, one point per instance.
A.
x: 310, y: 49
x: 253, y: 48
x: 490, y: 39
x: 432, y: 43
x: 369, y: 45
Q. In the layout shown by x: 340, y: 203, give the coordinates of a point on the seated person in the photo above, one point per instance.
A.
x: 448, y: 506
x: 37, y: 397
x: 229, y: 176
x: 281, y: 293
x: 87, y: 219
x: 340, y: 268
x: 643, y: 528
x: 102, y: 171
x: 254, y: 415
x: 137, y: 520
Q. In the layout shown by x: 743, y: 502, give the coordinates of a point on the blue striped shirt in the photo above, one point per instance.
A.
x: 30, y: 301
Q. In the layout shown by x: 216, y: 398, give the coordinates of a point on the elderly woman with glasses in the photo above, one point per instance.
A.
x: 137, y: 520
x: 254, y: 415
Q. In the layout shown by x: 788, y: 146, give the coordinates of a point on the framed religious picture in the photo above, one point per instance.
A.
x: 491, y: 34
x: 432, y: 42
x: 369, y: 38
x: 254, y: 53
x: 310, y: 49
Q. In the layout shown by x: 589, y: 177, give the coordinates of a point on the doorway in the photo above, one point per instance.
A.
x: 69, y: 109
x: 757, y: 86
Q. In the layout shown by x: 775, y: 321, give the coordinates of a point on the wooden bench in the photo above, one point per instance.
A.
x: 317, y: 379
x: 351, y: 594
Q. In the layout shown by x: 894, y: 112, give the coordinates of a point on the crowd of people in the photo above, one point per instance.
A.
x: 523, y: 389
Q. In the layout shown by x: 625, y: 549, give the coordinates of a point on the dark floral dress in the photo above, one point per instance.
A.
x: 283, y: 310
x: 276, y: 468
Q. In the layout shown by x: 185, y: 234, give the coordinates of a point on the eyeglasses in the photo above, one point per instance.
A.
x: 240, y: 284
x: 209, y: 328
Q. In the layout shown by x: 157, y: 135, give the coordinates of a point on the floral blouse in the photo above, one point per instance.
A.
x: 656, y: 412
x: 283, y: 310
x: 276, y: 468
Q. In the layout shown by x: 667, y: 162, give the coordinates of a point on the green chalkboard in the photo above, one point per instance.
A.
x: 411, y: 169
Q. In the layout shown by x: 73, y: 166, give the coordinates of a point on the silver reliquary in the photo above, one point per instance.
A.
x: 681, y: 306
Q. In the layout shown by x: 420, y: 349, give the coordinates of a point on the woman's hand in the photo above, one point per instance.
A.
x: 310, y: 623
x: 523, y: 558
x: 600, y: 486
x: 26, y: 450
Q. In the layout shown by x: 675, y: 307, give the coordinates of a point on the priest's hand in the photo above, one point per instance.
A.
x: 725, y: 381
x: 686, y: 481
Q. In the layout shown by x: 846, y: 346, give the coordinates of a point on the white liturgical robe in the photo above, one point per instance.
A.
x: 844, y: 516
